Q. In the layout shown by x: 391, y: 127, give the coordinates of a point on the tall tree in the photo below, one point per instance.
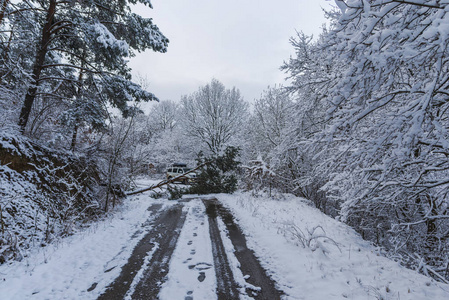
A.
x: 214, y: 115
x: 17, y: 31
x: 383, y: 149
x: 272, y: 114
x: 271, y: 139
x: 90, y: 38
x: 165, y: 115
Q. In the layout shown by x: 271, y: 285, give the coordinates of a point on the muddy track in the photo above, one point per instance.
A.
x: 163, y: 236
x: 226, y: 286
x: 249, y: 264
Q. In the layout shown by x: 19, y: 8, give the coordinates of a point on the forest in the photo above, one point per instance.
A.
x: 360, y: 126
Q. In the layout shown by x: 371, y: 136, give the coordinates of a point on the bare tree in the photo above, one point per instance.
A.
x: 165, y: 114
x: 213, y: 115
x: 272, y: 114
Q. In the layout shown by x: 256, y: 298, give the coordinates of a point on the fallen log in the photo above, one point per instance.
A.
x: 165, y: 182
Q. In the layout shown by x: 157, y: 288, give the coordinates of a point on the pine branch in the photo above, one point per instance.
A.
x: 72, y: 66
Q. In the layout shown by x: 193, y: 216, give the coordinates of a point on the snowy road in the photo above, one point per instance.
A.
x: 199, y: 269
x: 257, y: 284
x: 148, y: 263
x: 192, y: 249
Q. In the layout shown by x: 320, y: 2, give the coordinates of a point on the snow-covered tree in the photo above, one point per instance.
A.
x: 16, y: 35
x: 270, y: 138
x: 115, y: 149
x: 165, y: 115
x: 83, y: 39
x: 271, y: 116
x: 214, y: 115
x: 382, y: 77
x: 312, y: 76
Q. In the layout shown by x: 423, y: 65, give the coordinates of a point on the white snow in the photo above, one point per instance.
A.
x: 67, y: 269
x: 352, y: 269
x: 192, y: 255
x: 108, y: 40
x: 309, y: 255
x: 239, y: 278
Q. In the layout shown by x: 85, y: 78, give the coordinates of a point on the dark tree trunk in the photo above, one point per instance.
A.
x: 37, y: 68
x: 74, y: 136
x: 77, y: 121
x: 2, y: 10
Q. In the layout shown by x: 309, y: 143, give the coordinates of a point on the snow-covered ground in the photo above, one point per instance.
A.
x: 191, y: 272
x: 337, y: 265
x: 68, y: 269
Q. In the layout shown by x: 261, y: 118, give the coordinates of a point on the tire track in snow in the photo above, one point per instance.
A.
x: 192, y: 274
x: 167, y: 235
x: 163, y: 236
x: 258, y: 284
x: 226, y: 286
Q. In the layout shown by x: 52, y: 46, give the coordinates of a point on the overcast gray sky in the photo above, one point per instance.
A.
x: 242, y: 43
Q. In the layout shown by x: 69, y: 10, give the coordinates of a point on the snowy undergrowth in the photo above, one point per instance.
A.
x: 312, y: 256
x: 68, y: 268
x: 45, y: 194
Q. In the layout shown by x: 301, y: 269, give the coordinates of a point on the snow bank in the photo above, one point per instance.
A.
x: 44, y: 194
x: 89, y: 259
x: 313, y: 256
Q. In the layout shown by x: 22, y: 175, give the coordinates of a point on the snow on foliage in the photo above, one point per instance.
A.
x: 79, y: 52
x: 42, y: 196
x: 107, y: 39
x: 214, y: 115
x: 381, y: 75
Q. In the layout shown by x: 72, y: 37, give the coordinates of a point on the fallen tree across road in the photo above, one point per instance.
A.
x: 167, y: 181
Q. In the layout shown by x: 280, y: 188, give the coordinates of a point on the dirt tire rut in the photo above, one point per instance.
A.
x: 165, y: 233
x: 249, y: 264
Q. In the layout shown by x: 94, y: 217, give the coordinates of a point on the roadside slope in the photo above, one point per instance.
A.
x: 82, y: 265
x: 350, y: 268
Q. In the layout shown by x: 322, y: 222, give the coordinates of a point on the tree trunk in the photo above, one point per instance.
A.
x: 77, y: 121
x: 2, y: 10
x: 74, y: 136
x: 37, y: 68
